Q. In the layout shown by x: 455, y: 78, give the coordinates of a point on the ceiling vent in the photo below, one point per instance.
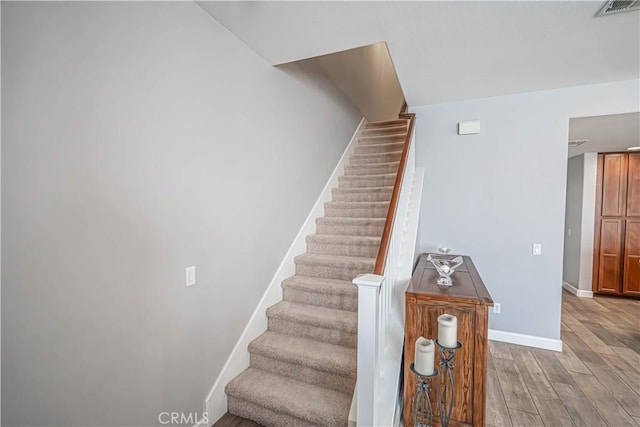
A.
x: 577, y: 142
x: 619, y: 6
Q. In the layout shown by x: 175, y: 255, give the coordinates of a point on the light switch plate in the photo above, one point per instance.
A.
x: 190, y: 275
x: 537, y: 249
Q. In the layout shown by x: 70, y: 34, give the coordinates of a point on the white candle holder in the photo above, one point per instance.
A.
x: 445, y: 388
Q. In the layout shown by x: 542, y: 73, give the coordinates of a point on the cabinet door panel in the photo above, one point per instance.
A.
x: 613, y: 185
x: 633, y: 184
x: 610, y: 272
x: 631, y: 284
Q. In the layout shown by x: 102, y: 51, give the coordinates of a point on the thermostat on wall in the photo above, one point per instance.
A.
x: 468, y: 128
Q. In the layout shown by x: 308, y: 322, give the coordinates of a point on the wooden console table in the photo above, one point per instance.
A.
x: 469, y: 301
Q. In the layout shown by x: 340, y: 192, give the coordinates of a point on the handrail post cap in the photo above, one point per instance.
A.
x: 373, y: 280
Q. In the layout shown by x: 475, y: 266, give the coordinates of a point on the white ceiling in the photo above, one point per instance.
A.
x: 605, y: 133
x: 447, y: 51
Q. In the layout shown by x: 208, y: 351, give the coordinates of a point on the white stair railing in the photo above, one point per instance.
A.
x: 381, y: 303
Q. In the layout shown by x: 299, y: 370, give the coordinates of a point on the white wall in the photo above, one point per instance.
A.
x: 585, y: 284
x: 138, y: 139
x: 573, y: 220
x: 493, y: 194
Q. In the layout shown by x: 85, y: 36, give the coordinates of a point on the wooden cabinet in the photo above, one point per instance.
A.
x: 613, y: 184
x: 633, y: 185
x: 616, y: 267
x: 631, y: 284
x: 469, y: 301
x: 610, y: 255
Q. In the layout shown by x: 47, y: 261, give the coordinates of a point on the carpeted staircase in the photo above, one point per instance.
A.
x: 303, y: 368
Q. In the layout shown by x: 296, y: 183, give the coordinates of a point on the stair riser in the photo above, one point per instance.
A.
x: 380, y: 212
x: 331, y: 336
x: 339, y: 302
x: 371, y: 170
x: 338, y: 382
x: 377, y: 148
x: 378, y: 196
x: 378, y: 158
x: 383, y: 131
x: 370, y: 181
x: 262, y: 415
x: 346, y: 250
x: 351, y: 230
x: 330, y: 272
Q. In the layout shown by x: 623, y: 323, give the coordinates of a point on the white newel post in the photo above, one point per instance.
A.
x: 368, y: 323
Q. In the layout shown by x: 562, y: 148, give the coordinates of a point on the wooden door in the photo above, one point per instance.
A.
x: 633, y: 185
x: 614, y: 185
x: 631, y: 285
x: 610, y: 259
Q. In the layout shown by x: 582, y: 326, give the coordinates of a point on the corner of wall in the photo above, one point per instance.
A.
x: 588, y: 222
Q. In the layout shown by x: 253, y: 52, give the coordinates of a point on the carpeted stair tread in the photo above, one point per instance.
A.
x: 356, y: 209
x: 372, y: 168
x: 312, y: 315
x: 341, y: 239
x: 385, y: 123
x: 384, y: 130
x: 301, y: 351
x: 382, y: 148
x: 336, y: 261
x: 360, y: 158
x: 370, y: 194
x: 343, y: 244
x: 361, y: 181
x: 350, y: 226
x: 381, y: 139
x: 339, y: 267
x: 329, y: 293
x: 296, y: 399
x: 356, y: 205
x: 350, y: 221
x: 263, y: 416
x: 321, y: 286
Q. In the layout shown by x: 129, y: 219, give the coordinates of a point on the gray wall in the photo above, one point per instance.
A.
x: 573, y: 220
x: 139, y: 139
x: 493, y: 194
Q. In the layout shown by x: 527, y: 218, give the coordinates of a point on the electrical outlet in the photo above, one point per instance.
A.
x: 496, y: 307
x: 190, y: 275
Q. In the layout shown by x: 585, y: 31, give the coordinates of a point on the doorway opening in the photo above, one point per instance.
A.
x: 601, y: 249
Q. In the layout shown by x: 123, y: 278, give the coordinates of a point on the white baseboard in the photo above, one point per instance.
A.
x: 528, y: 340
x: 577, y: 292
x: 216, y: 401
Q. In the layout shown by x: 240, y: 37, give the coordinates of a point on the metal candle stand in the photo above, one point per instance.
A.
x: 422, y: 409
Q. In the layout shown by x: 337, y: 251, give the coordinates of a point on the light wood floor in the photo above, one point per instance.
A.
x: 595, y: 381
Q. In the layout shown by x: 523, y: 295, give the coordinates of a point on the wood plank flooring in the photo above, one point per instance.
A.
x: 595, y: 381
